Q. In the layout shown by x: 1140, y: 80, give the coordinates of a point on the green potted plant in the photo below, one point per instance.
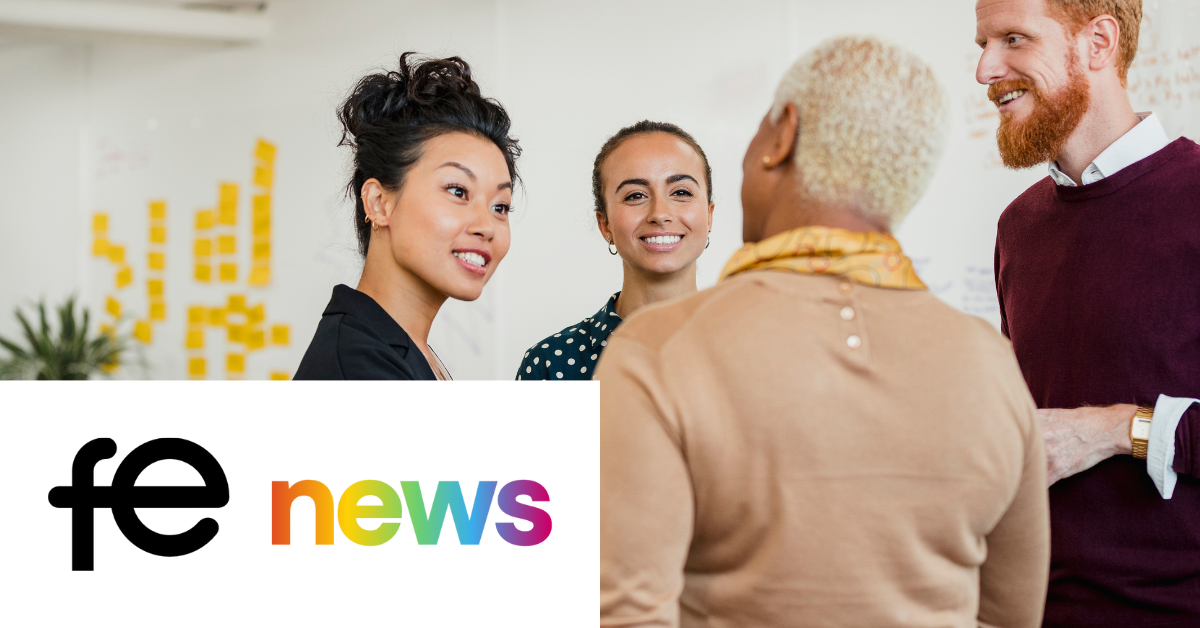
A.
x: 69, y: 354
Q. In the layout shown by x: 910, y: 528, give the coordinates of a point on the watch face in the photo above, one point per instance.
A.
x: 1141, y: 429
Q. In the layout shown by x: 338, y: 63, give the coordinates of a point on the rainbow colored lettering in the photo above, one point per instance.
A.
x: 426, y: 524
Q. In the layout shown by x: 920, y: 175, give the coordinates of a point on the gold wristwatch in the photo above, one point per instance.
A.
x: 1139, y: 431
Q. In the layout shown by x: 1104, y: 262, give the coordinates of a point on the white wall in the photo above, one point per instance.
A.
x: 42, y: 91
x: 87, y: 127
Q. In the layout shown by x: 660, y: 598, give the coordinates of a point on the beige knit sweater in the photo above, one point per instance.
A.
x: 796, y: 450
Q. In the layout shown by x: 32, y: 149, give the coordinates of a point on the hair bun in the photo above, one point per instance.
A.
x: 394, y: 95
x: 437, y: 78
x: 388, y: 116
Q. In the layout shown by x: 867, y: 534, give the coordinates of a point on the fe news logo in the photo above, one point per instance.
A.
x: 123, y: 497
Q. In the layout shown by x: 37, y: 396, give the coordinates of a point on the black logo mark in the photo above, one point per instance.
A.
x: 82, y: 497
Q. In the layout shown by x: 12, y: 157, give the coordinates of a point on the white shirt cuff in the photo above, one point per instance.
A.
x: 1160, y: 453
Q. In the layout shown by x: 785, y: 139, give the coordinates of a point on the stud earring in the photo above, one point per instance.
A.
x: 766, y: 161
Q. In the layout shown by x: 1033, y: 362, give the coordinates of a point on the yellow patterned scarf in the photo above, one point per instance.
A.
x: 868, y: 258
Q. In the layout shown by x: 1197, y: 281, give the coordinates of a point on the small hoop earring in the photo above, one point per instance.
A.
x: 366, y: 217
x: 612, y: 250
x: 707, y: 242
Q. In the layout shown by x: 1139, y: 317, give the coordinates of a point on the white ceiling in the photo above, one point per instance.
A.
x: 225, y: 5
x: 215, y: 21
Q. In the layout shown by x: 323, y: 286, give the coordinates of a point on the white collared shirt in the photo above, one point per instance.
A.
x: 1143, y: 140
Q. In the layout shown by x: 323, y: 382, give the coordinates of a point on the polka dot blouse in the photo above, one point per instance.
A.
x: 572, y: 353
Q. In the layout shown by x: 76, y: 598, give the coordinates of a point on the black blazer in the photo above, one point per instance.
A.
x: 357, y: 339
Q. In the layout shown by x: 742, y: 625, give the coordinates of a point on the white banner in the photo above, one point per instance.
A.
x: 410, y: 503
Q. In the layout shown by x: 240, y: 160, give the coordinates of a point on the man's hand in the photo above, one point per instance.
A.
x: 1078, y: 439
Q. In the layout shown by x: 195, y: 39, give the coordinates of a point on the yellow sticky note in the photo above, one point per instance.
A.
x: 203, y: 273
x: 227, y: 245
x: 113, y: 306
x: 100, y: 247
x: 280, y: 376
x: 265, y: 150
x: 157, y: 261
x: 158, y: 210
x: 228, y: 273
x: 107, y: 330
x: 263, y: 176
x: 227, y: 195
x: 227, y: 204
x: 280, y: 334
x: 204, y: 219
x: 256, y: 314
x: 262, y: 215
x: 237, y: 303
x: 158, y: 235
x: 262, y: 205
x: 216, y: 316
x: 255, y: 339
x: 235, y: 363
x: 116, y: 254
x: 262, y: 250
x: 197, y: 315
x: 236, y: 333
x: 197, y: 367
x: 99, y: 222
x: 158, y: 311
x: 262, y: 228
x: 124, y: 277
x: 202, y: 247
x: 195, y: 340
x: 154, y: 287
x: 142, y: 331
x: 260, y: 276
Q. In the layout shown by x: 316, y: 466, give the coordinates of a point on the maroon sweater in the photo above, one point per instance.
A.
x: 1099, y: 292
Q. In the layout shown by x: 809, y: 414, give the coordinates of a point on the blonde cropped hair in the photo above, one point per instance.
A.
x: 873, y: 122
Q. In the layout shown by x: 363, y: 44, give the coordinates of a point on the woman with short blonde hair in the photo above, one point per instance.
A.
x: 817, y: 440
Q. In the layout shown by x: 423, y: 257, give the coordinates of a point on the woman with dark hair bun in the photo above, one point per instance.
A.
x: 652, y: 186
x: 434, y: 169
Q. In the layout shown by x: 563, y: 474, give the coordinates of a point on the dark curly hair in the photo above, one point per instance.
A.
x: 389, y: 116
x: 641, y: 128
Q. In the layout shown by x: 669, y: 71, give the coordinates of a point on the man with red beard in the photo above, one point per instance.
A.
x: 1098, y: 274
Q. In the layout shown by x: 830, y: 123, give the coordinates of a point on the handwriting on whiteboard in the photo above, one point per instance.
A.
x: 981, y: 117
x: 979, y: 291
x: 1165, y: 76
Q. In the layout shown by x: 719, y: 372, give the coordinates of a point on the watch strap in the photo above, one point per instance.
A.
x: 1141, y: 446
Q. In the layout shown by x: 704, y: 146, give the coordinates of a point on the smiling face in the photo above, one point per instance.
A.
x: 448, y: 224
x: 1032, y: 68
x: 658, y: 211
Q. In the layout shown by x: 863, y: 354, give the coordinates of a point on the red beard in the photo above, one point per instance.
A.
x: 1041, y: 135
